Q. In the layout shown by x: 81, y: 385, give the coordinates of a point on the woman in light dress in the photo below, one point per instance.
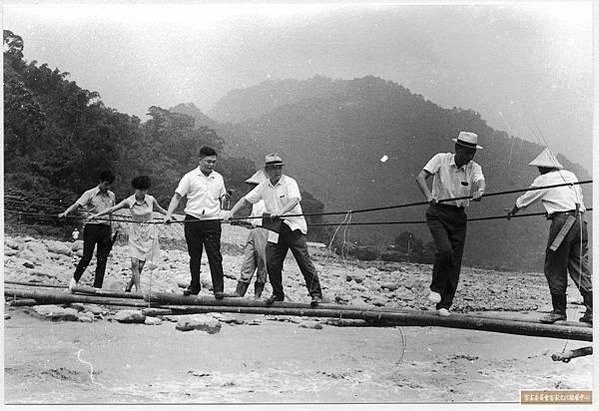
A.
x: 143, y: 235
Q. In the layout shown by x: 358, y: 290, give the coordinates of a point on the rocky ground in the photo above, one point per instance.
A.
x: 256, y: 358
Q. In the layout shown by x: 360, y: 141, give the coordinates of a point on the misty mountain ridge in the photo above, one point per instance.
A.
x: 332, y: 135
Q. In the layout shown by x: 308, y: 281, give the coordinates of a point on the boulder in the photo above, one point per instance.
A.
x: 9, y: 252
x: 130, y: 316
x: 227, y: 319
x: 28, y: 264
x: 58, y: 247
x: 56, y: 313
x: 152, y: 321
x: 311, y: 324
x: 37, y: 248
x: 200, y: 322
x: 378, y: 301
x: 11, y: 243
x: 390, y: 285
x: 85, y: 317
x: 77, y: 246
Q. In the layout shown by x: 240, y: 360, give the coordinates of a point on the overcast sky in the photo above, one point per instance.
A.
x: 526, y: 67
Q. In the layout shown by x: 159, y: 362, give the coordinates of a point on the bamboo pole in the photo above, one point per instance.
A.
x: 178, y: 299
x: 107, y: 293
x: 412, y: 318
x: 27, y: 302
x: 34, y: 284
x: 45, y: 297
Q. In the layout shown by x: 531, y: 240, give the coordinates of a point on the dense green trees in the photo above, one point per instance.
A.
x: 59, y: 136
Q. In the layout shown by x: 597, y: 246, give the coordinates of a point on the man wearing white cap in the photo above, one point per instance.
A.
x: 567, y: 247
x: 454, y: 176
x: 281, y: 196
x: 254, y: 252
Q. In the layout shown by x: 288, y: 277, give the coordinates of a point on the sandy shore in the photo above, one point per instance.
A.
x: 268, y: 359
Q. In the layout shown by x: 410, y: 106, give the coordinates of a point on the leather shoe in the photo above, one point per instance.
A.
x: 270, y: 300
x: 553, y: 317
x: 219, y: 295
x: 191, y: 291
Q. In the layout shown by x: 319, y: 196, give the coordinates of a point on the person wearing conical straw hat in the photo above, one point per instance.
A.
x: 254, y: 251
x: 454, y: 175
x: 287, y: 228
x: 567, y: 246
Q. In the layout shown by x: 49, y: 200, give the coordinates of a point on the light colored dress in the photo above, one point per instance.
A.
x: 143, y: 237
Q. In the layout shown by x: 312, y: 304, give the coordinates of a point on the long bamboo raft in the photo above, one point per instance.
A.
x: 159, y: 303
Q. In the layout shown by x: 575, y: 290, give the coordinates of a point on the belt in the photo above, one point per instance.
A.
x: 450, y: 206
x: 560, y: 213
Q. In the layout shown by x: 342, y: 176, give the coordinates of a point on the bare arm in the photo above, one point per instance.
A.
x: 159, y: 208
x: 480, y: 190
x: 110, y: 210
x: 235, y: 208
x: 171, y: 207
x: 421, y: 180
x: 286, y: 209
x: 69, y: 210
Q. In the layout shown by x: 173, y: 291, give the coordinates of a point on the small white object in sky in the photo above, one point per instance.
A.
x: 384, y: 158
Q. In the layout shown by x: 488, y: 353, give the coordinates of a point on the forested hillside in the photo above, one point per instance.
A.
x: 333, y: 133
x: 59, y: 136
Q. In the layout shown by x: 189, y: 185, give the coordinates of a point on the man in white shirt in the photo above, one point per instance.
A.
x: 204, y: 188
x: 454, y: 176
x: 254, y: 252
x: 94, y: 200
x: 281, y: 196
x: 567, y: 247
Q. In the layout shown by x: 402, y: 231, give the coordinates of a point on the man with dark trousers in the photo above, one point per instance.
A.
x: 281, y: 196
x: 454, y: 175
x: 567, y: 246
x: 93, y: 201
x: 205, y: 189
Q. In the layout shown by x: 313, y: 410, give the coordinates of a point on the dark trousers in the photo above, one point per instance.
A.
x: 447, y: 225
x: 200, y: 234
x: 275, y: 256
x: 95, y: 234
x: 571, y: 256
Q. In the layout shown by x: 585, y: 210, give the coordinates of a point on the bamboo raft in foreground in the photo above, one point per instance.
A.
x: 400, y: 318
x: 192, y: 304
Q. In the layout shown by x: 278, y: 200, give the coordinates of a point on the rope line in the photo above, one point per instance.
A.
x: 364, y: 210
x: 345, y: 222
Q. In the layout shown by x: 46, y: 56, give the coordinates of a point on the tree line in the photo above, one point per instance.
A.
x: 59, y: 136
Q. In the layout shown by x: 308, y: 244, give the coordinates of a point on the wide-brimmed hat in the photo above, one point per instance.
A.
x: 546, y: 159
x: 273, y: 160
x: 467, y: 139
x: 258, y: 177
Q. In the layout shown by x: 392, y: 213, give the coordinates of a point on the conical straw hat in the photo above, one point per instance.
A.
x: 546, y: 159
x: 257, y: 178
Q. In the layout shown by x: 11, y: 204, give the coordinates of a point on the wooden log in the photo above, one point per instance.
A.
x: 107, y: 293
x: 179, y: 299
x: 26, y: 302
x: 34, y: 284
x: 412, y: 318
x: 57, y: 297
x: 566, y: 356
x: 170, y: 298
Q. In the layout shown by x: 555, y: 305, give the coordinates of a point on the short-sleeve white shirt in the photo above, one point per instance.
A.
x: 449, y: 181
x: 203, y: 193
x: 554, y: 199
x: 278, y: 197
x: 94, y: 201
